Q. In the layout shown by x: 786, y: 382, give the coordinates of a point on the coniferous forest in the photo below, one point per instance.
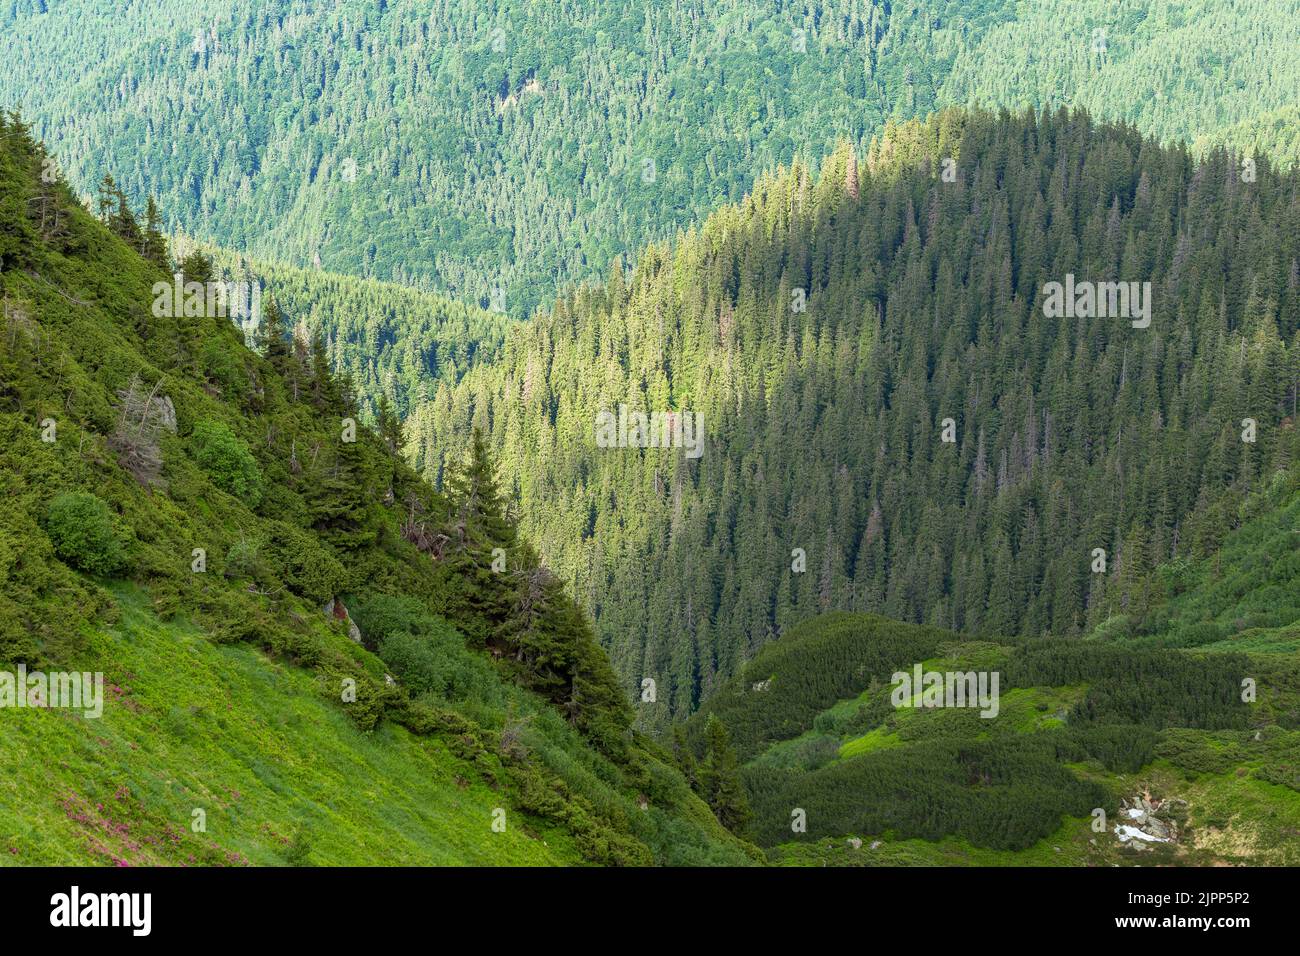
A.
x: 843, y: 433
x: 830, y: 325
x: 497, y: 151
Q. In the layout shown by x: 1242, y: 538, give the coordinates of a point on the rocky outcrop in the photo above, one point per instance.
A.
x: 336, y: 609
x: 1147, y: 819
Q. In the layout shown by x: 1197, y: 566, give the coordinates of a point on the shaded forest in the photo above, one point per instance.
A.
x: 835, y: 329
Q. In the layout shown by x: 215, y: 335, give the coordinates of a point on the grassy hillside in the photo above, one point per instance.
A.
x: 1243, y: 597
x: 280, y: 773
x: 297, y: 635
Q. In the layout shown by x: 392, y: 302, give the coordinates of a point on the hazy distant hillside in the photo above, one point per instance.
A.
x: 391, y: 340
x: 495, y: 151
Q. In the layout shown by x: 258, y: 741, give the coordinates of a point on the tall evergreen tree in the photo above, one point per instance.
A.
x: 153, y: 242
x: 719, y: 779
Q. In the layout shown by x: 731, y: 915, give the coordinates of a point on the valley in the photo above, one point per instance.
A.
x: 733, y: 434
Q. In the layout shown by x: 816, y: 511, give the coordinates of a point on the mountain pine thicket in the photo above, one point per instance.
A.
x: 1196, y: 707
x: 827, y: 327
x: 499, y: 151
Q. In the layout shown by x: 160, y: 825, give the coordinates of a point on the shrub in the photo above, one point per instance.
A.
x: 1194, y: 635
x: 438, y: 663
x: 227, y: 461
x: 1177, y: 575
x: 306, y: 566
x: 244, y: 560
x: 1115, y: 627
x: 425, y: 651
x: 298, y: 852
x: 379, y: 615
x: 222, y: 367
x: 415, y: 662
x: 81, y: 527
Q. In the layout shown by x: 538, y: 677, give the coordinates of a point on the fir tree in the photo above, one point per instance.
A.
x: 197, y: 267
x: 344, y: 501
x: 388, y: 425
x: 153, y: 242
x: 684, y: 756
x: 106, y: 199
x: 273, y: 338
x: 325, y: 392
x: 494, y: 583
x: 719, y: 779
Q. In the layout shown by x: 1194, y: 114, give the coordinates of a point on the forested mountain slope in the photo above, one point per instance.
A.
x: 391, y: 340
x: 308, y: 655
x: 514, y: 146
x: 893, y: 421
x: 1245, y: 595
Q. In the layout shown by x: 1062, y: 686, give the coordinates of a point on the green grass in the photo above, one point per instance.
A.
x: 876, y: 739
x: 837, y: 732
x: 227, y: 682
x: 1242, y: 793
x: 1233, y: 816
x: 1260, y: 640
x: 1238, y: 817
x: 1243, y: 597
x: 258, y: 746
x: 1021, y: 710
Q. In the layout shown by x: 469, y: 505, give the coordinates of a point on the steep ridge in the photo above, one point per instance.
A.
x: 298, y: 651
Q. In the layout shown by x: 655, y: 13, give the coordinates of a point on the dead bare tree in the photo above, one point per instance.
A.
x: 415, y: 529
x: 512, y: 733
x: 136, y: 440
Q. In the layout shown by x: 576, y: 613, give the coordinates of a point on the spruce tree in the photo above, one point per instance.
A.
x: 388, y: 425
x: 325, y: 392
x: 684, y: 757
x: 273, y: 336
x: 154, y: 243
x: 196, y: 267
x: 345, y: 501
x: 124, y: 223
x: 719, y: 777
x: 492, y: 582
x: 106, y: 199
